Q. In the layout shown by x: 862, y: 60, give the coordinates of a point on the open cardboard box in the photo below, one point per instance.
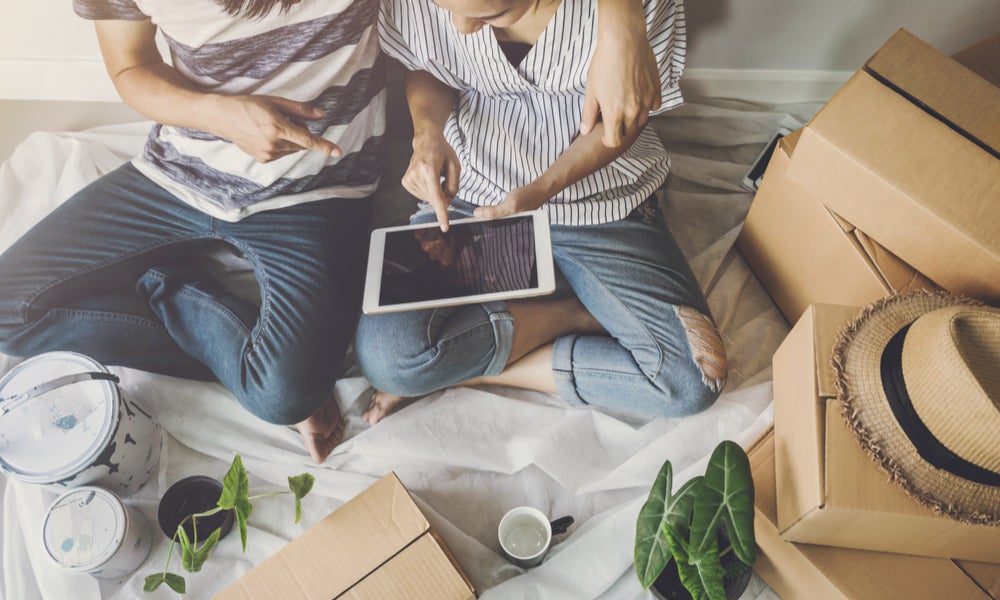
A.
x: 909, y: 152
x: 804, y: 254
x: 377, y: 545
x: 810, y: 572
x: 831, y: 492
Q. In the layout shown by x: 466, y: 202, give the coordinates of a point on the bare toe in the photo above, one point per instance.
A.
x: 381, y: 405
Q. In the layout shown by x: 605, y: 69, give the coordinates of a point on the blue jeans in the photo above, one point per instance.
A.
x: 107, y: 275
x: 629, y: 274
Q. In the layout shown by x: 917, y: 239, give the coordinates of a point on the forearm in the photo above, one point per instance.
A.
x: 430, y: 102
x: 586, y: 155
x: 160, y: 93
x: 148, y: 85
x: 615, y: 16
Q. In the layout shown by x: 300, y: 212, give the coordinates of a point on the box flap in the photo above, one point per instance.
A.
x: 421, y: 571
x: 899, y: 276
x: 985, y: 574
x: 787, y: 142
x: 941, y: 86
x: 803, y: 381
x: 344, y: 547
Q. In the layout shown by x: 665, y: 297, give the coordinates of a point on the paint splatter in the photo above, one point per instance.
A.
x: 66, y: 422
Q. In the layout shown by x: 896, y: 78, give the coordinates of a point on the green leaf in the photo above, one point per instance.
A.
x: 651, y: 550
x: 236, y: 495
x: 174, y: 582
x: 702, y: 575
x: 186, y: 549
x: 727, y: 493
x: 196, y: 559
x: 300, y: 486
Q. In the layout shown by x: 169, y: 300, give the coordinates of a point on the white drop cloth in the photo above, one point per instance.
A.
x: 467, y: 455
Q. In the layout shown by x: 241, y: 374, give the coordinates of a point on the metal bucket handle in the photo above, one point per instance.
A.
x: 11, y: 402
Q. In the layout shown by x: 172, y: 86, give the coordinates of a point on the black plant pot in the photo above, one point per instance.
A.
x: 189, y: 496
x: 668, y: 585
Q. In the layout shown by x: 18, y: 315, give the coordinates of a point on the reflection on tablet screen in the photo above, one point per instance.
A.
x: 470, y: 258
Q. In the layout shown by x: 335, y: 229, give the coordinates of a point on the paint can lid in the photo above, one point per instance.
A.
x: 61, y: 429
x: 84, y: 528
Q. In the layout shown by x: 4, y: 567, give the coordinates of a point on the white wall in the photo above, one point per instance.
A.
x: 766, y: 50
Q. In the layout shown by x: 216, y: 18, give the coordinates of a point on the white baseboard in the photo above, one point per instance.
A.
x: 86, y: 79
x: 55, y: 79
x: 766, y: 86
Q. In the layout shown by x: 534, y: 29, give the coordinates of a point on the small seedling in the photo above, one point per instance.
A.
x: 235, y: 497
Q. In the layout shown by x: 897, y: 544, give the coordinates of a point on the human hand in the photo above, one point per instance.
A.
x: 264, y: 127
x: 521, y: 199
x: 433, y: 158
x: 322, y: 431
x: 623, y: 83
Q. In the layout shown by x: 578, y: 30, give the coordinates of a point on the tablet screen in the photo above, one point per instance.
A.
x: 413, y: 267
x: 470, y: 259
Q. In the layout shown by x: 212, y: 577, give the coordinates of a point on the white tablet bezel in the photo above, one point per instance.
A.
x: 543, y: 261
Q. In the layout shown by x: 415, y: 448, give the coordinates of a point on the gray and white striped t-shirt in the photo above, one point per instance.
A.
x: 324, y: 52
x: 511, y: 123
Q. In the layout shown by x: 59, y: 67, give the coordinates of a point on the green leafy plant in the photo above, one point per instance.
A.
x: 684, y: 526
x: 235, y: 497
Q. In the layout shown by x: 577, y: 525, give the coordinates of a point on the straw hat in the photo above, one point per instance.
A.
x: 919, y: 380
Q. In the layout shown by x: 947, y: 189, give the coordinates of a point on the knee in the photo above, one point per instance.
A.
x: 285, y: 392
x: 393, y: 359
x: 696, y: 382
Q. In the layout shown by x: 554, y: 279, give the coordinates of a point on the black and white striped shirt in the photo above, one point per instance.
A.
x: 511, y: 123
x: 324, y: 52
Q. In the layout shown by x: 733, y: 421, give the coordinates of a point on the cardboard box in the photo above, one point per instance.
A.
x: 804, y: 254
x: 909, y: 152
x: 377, y: 545
x: 831, y: 492
x: 809, y: 572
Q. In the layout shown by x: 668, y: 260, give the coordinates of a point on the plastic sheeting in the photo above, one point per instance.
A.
x: 466, y: 454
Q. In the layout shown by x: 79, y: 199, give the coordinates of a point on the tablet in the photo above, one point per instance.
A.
x: 414, y: 267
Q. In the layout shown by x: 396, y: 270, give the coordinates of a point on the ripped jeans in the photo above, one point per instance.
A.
x: 662, y: 356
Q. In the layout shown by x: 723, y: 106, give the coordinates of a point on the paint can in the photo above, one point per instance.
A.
x: 90, y: 530
x: 64, y: 423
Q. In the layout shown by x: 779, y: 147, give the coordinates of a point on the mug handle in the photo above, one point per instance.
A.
x: 561, y: 524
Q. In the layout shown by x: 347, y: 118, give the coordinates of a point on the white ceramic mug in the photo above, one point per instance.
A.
x: 525, y: 535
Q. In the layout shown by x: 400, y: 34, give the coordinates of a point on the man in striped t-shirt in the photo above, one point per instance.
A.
x: 270, y: 125
x: 497, y: 90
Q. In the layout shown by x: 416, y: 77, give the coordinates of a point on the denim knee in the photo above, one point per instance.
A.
x: 687, y: 392
x: 390, y: 357
x: 285, y: 396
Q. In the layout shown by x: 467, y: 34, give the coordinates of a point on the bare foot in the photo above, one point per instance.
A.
x: 381, y: 405
x: 322, y: 431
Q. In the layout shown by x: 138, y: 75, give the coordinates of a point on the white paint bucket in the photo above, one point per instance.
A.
x: 64, y: 423
x: 90, y: 530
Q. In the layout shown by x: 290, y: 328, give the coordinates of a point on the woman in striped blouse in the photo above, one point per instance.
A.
x: 496, y: 90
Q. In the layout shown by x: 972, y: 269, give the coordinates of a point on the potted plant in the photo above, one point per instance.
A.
x: 233, y: 499
x: 704, y: 530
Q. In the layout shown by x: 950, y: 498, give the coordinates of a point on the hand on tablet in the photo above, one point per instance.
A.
x: 433, y: 174
x: 521, y: 199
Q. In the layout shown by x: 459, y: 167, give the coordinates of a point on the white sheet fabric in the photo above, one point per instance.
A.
x: 467, y: 455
